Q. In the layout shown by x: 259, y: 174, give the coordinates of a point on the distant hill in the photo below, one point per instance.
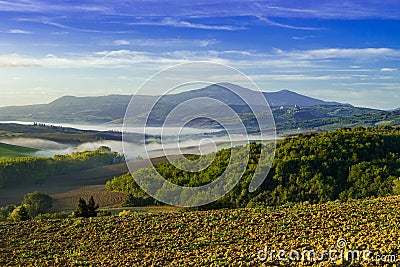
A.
x: 111, y: 109
x: 90, y: 110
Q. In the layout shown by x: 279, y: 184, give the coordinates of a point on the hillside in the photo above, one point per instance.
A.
x: 11, y: 151
x: 211, y: 238
x: 35, y: 170
x: 343, y: 164
x: 91, y: 110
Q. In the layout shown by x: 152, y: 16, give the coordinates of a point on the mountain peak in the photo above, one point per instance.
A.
x: 65, y: 98
x: 286, y: 91
x: 289, y: 98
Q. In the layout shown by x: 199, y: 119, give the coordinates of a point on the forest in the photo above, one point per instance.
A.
x: 343, y: 164
x: 35, y: 170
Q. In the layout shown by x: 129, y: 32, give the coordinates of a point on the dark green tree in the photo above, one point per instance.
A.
x: 92, y: 207
x: 81, y: 211
x: 5, y: 211
x: 129, y: 201
x: 86, y: 210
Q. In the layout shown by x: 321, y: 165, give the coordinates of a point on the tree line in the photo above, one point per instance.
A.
x: 343, y: 164
x: 38, y: 206
x: 34, y: 170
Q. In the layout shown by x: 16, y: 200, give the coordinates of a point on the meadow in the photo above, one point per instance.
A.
x: 12, y: 151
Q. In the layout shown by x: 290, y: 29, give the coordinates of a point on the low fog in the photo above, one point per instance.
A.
x: 199, y: 146
x: 51, y: 148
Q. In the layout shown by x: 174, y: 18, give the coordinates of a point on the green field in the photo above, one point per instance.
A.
x: 227, y: 237
x: 12, y: 151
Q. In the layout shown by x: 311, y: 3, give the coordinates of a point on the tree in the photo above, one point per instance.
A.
x: 129, y: 201
x: 37, y: 203
x: 103, y: 149
x: 92, y: 207
x: 396, y: 186
x: 81, y: 211
x: 86, y: 210
x: 19, y: 214
x: 5, y: 211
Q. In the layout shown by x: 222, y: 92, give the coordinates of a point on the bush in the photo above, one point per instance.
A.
x: 396, y: 186
x: 19, y: 214
x: 124, y: 213
x: 131, y: 201
x: 5, y: 212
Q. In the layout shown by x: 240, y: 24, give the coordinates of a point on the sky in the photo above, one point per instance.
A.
x: 345, y: 51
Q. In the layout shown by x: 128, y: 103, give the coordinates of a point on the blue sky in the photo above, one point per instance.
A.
x: 347, y: 51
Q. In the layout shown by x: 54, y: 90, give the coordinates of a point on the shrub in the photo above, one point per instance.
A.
x: 5, y: 211
x: 124, y: 213
x: 20, y: 213
x: 396, y: 186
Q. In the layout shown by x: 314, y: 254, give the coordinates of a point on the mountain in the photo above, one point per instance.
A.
x: 228, y: 93
x: 109, y: 109
x: 289, y: 98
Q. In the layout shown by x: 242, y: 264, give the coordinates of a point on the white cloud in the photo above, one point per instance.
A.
x: 109, y: 59
x: 60, y: 33
x: 337, y: 53
x: 303, y: 37
x: 121, y: 42
x: 14, y: 61
x: 301, y: 77
x: 273, y: 23
x: 387, y: 69
x: 18, y: 31
x: 173, y: 22
x: 277, y: 60
x: 52, y: 22
x: 42, y: 6
x: 176, y: 43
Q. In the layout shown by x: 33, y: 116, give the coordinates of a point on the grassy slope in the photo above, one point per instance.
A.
x: 12, y: 151
x: 206, y: 238
x: 55, y: 133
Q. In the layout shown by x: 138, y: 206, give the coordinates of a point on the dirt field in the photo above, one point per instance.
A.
x: 66, y: 189
x: 356, y: 233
